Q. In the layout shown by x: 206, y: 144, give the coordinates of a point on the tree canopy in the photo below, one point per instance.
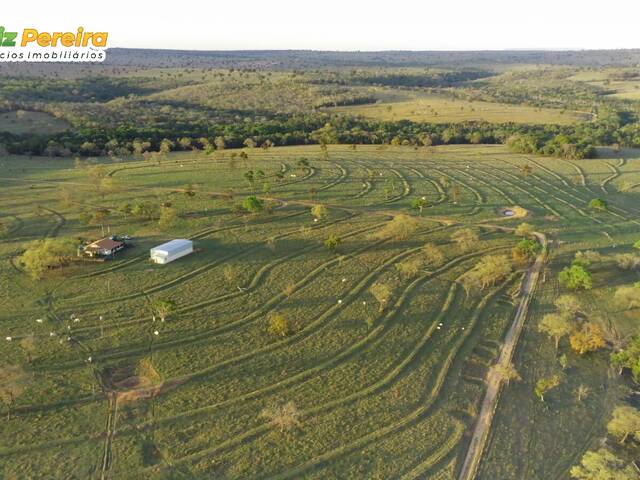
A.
x: 42, y: 255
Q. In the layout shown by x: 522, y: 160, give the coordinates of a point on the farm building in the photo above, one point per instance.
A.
x: 170, y: 251
x: 104, y: 247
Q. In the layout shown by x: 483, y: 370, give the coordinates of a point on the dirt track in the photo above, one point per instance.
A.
x: 494, y: 382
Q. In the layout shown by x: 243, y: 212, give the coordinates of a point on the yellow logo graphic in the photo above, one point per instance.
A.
x: 41, y: 46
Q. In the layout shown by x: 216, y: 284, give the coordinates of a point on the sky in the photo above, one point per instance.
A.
x: 341, y: 24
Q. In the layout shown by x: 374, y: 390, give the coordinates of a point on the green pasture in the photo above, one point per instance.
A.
x: 379, y: 394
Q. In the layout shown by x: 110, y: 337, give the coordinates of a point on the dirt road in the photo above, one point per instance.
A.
x: 494, y: 382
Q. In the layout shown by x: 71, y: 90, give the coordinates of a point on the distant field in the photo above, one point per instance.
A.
x: 387, y: 392
x: 629, y: 89
x: 22, y: 121
x: 432, y: 108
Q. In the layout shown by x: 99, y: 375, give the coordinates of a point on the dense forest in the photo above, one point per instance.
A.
x: 122, y: 108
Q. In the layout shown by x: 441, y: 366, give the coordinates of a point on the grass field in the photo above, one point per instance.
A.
x: 622, y: 88
x: 424, y: 107
x: 380, y: 394
x: 22, y: 121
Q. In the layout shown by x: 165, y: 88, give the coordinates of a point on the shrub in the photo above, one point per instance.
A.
x: 278, y: 325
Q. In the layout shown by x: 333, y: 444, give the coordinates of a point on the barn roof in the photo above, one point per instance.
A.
x: 104, y: 244
x: 176, y: 245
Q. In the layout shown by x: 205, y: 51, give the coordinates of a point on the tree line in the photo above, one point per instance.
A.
x: 569, y: 141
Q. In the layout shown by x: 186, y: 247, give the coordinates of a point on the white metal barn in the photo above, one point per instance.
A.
x: 170, y: 251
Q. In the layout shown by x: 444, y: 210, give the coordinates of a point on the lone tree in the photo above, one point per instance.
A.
x: 625, y: 422
x: 285, y: 417
x: 581, y: 392
x: 602, y: 465
x: 506, y: 373
x: 382, y: 293
x: 544, y: 384
x: 319, y: 212
x: 568, y: 305
x: 42, y: 255
x: 253, y: 204
x: 419, y: 204
x: 13, y: 382
x: 162, y: 308
x: 332, y: 242
x: 575, y: 277
x: 598, y: 204
x: 628, y: 358
x: 278, y: 325
x: 555, y: 326
x: 587, y: 339
x: 465, y: 238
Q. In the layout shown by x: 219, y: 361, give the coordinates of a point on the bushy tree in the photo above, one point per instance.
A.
x: 627, y: 261
x: 434, y: 254
x: 409, y: 268
x: 602, y: 465
x: 588, y: 338
x: 41, y: 255
x: 401, y: 227
x: 252, y: 204
x: 628, y: 358
x: 628, y: 297
x: 544, y: 384
x: 624, y: 422
x: 332, y: 242
x: 419, y: 204
x: 507, y: 373
x: 525, y: 251
x: 568, y: 305
x: 488, y: 271
x: 555, y: 326
x: 575, y: 277
x: 162, y: 308
x: 598, y: 204
x: 465, y: 238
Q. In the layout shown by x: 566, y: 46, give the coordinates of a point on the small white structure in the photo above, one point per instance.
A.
x: 170, y: 251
